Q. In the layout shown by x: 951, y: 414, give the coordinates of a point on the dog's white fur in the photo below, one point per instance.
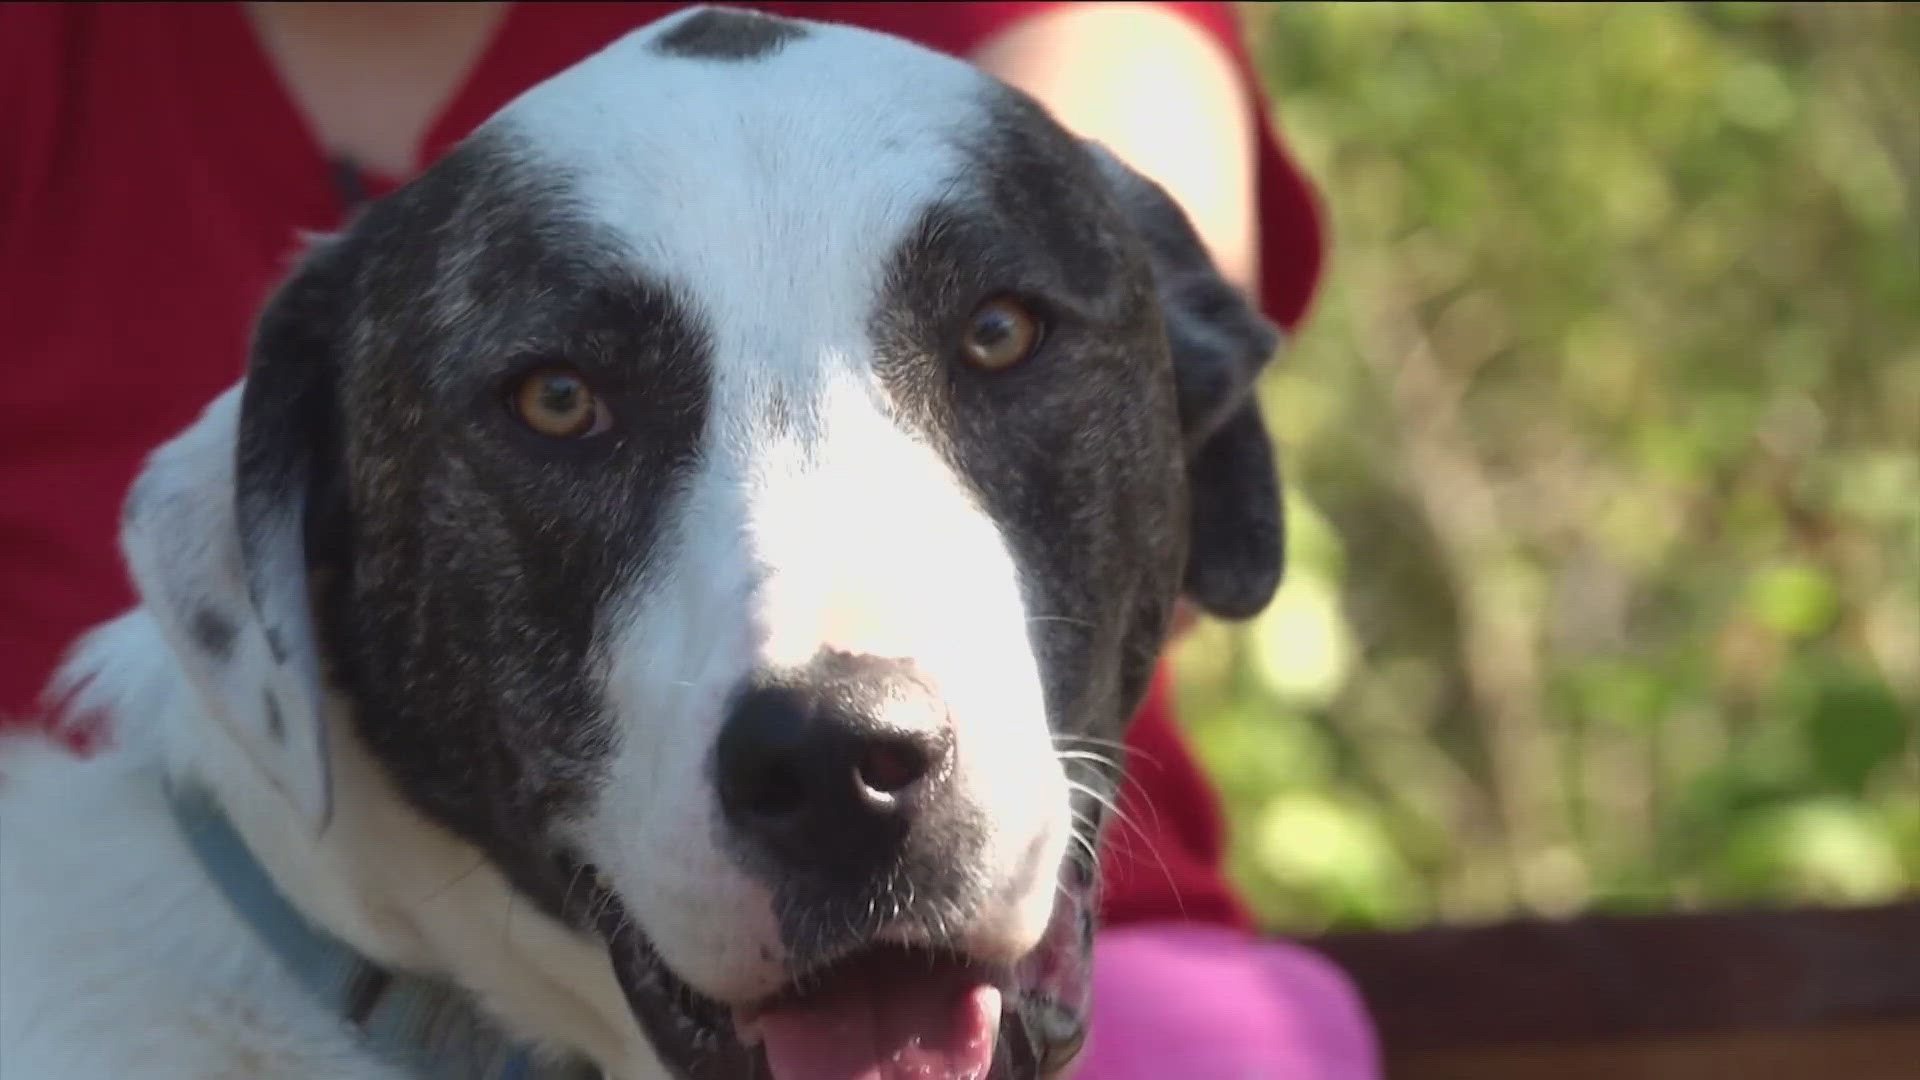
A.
x: 117, y: 958
x: 831, y: 570
x: 776, y: 549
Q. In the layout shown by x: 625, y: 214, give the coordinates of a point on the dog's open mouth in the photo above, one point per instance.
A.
x: 884, y: 1012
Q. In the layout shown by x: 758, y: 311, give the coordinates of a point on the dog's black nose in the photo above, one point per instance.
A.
x: 821, y: 774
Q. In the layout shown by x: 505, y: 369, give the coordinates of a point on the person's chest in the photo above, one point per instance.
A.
x: 169, y: 192
x: 160, y: 188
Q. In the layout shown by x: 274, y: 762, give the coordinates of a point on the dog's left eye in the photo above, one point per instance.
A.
x: 1001, y: 333
x: 558, y: 403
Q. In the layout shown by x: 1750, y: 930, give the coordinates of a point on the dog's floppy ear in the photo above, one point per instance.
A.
x: 1219, y: 343
x: 215, y: 532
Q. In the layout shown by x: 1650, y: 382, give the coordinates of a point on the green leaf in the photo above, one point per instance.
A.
x: 1854, y: 727
x: 1795, y: 601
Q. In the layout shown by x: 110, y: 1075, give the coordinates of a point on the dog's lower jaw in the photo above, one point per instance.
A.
x: 913, y: 1007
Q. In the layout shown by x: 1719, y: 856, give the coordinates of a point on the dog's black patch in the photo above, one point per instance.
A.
x: 468, y: 557
x: 1238, y: 534
x: 729, y: 35
x: 213, y: 632
x: 1219, y: 344
x: 1076, y: 452
x: 1120, y: 458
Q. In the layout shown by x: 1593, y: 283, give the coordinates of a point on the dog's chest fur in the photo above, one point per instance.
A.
x: 123, y: 959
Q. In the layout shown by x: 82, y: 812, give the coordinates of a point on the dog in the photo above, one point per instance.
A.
x: 666, y: 583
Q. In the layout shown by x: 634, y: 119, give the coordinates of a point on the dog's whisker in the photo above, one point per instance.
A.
x: 1068, y: 620
x: 1090, y: 755
x: 1130, y: 828
x: 1081, y: 838
x: 1074, y: 738
x: 1111, y: 804
x: 1091, y: 758
x: 1131, y: 753
x: 566, y: 898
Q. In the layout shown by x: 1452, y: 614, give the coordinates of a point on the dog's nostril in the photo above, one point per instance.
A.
x: 888, y: 766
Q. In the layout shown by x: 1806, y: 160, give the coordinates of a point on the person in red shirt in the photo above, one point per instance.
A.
x: 158, y: 164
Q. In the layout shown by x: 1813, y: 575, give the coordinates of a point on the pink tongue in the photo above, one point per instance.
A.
x: 899, y: 1021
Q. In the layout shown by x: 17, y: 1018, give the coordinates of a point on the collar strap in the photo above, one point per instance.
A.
x: 428, y: 1029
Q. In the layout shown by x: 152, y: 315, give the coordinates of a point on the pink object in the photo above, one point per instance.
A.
x: 1210, y: 1003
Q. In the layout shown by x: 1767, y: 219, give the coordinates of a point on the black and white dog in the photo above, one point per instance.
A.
x: 666, y: 574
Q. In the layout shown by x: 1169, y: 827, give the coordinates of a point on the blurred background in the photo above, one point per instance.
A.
x: 1603, y: 445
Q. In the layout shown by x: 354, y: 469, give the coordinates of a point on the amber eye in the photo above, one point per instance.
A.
x: 1001, y: 333
x: 558, y: 403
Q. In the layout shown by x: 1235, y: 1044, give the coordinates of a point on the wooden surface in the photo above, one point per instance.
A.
x: 1857, y: 1052
x: 1768, y: 995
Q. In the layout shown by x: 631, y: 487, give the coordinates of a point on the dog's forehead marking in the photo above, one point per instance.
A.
x: 728, y: 35
x: 767, y: 195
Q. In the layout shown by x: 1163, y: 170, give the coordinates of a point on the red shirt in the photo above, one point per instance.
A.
x: 154, y: 178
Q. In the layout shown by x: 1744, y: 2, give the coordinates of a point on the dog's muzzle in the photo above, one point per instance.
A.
x: 838, y: 790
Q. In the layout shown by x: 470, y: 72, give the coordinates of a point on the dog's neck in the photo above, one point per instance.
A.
x: 383, y: 878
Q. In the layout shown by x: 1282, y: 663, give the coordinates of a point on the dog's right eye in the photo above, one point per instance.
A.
x: 1001, y: 333
x: 558, y: 403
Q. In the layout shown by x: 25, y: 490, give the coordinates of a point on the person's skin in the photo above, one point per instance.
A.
x: 1160, y: 94
x: 371, y: 77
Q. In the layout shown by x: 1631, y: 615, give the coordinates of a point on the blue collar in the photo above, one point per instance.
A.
x: 429, y: 1030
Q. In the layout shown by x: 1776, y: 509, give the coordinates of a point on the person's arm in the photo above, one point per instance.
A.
x: 1162, y: 94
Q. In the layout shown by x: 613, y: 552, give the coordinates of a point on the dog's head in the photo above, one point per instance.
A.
x: 743, y: 489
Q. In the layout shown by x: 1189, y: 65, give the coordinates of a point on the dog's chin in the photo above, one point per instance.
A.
x: 880, y: 1012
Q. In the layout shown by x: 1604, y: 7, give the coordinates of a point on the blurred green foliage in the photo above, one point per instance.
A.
x: 1603, y: 444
